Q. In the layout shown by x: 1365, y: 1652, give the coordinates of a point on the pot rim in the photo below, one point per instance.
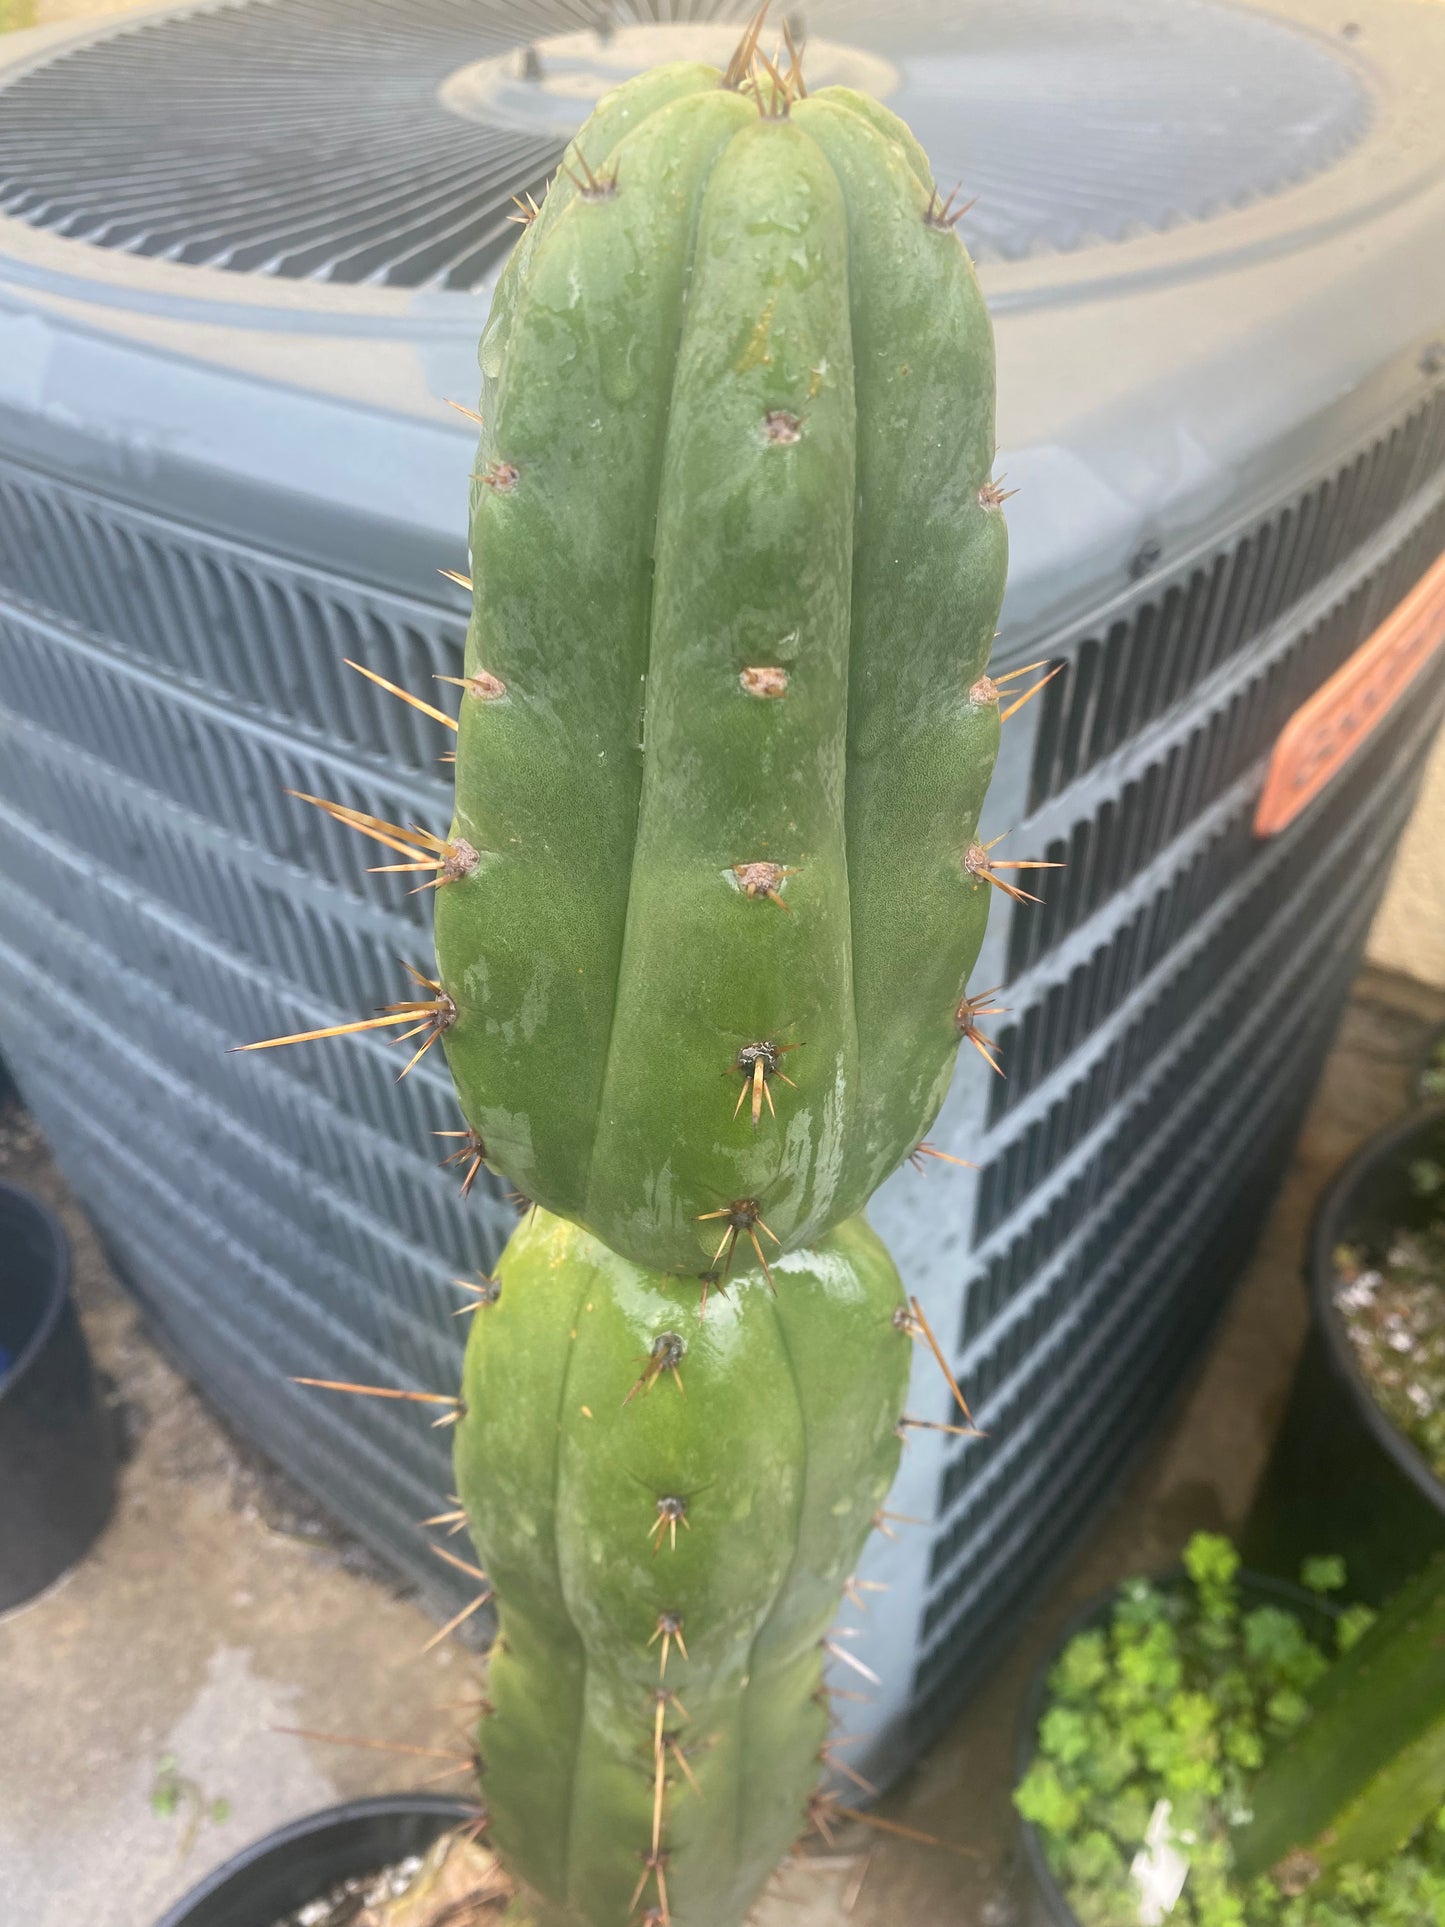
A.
x: 57, y: 1274
x: 444, y: 1806
x: 1329, y: 1229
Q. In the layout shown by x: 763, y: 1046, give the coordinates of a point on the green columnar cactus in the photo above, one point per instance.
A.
x: 1368, y: 1768
x: 704, y: 921
x: 708, y: 906
x: 669, y: 1509
x: 725, y: 729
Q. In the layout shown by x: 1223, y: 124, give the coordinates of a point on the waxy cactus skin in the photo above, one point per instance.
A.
x: 775, y: 1433
x: 704, y: 923
x: 737, y: 565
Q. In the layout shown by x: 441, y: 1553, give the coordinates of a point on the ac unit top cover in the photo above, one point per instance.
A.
x: 246, y: 250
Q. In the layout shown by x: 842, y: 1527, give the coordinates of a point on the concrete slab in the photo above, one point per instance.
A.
x: 220, y: 1606
x: 216, y: 1607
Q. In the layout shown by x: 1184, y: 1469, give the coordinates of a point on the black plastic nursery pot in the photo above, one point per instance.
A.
x: 1341, y: 1478
x: 1256, y: 1589
x: 1427, y: 1076
x: 57, y: 1453
x: 302, y: 1862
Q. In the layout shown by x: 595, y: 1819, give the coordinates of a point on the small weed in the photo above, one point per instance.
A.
x: 174, y: 1792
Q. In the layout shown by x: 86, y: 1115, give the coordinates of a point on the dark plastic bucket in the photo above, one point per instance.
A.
x: 1256, y: 1589
x: 303, y: 1861
x: 1341, y: 1478
x: 1430, y: 1060
x: 57, y: 1452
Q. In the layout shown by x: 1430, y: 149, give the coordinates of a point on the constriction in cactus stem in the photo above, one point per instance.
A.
x: 743, y: 1216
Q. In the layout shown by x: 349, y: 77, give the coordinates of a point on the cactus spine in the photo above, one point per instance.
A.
x: 1368, y: 1768
x: 704, y: 923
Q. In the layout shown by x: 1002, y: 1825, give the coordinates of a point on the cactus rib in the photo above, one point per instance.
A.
x: 748, y: 395
x: 705, y: 916
x: 716, y: 1521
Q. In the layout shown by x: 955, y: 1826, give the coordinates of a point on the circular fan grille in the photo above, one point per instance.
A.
x: 307, y: 138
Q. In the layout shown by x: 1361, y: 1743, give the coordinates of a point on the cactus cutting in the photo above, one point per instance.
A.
x: 705, y: 917
x: 708, y: 972
x: 669, y: 1544
x: 739, y: 588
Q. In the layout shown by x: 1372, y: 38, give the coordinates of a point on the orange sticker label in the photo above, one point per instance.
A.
x: 1323, y: 734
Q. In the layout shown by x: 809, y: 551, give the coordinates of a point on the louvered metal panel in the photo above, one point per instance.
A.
x: 225, y: 469
x: 1159, y: 1058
